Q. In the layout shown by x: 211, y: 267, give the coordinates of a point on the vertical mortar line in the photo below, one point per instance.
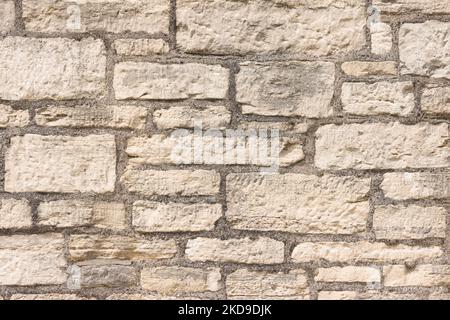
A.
x: 336, y: 103
x: 376, y: 197
x: 368, y: 33
x: 18, y: 21
x: 418, y: 89
x: 233, y: 105
x: 173, y: 26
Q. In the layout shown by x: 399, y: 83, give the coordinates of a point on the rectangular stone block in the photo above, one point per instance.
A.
x: 436, y: 100
x: 57, y: 68
x: 348, y: 274
x: 28, y: 260
x: 244, y: 250
x: 15, y: 213
x: 7, y: 16
x: 46, y: 297
x: 382, y: 146
x: 269, y: 27
x: 172, y: 182
x: 150, y: 216
x: 140, y: 47
x: 422, y: 275
x: 381, y: 38
x: 283, y: 127
x: 412, y: 6
x: 118, y: 117
x: 153, y: 81
x: 150, y: 16
x: 286, y: 89
x: 10, y: 117
x: 410, y: 222
x: 370, y: 68
x: 102, y: 276
x: 257, y: 285
x: 64, y: 164
x: 297, y: 203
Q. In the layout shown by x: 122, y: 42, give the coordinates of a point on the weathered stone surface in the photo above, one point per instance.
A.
x: 172, y: 182
x: 412, y: 6
x: 395, y: 98
x: 297, y: 203
x: 45, y: 297
x: 15, y: 213
x: 27, y: 260
x: 10, y: 117
x: 94, y: 276
x: 37, y: 163
x: 153, y: 81
x: 77, y: 213
x: 217, y: 117
x: 57, y: 68
x: 382, y: 146
x: 362, y: 251
x: 151, y: 16
x: 436, y: 100
x: 370, y: 68
x: 367, y: 295
x: 416, y: 185
x: 148, y: 296
x: 381, y: 37
x: 7, y: 16
x: 348, y: 274
x: 423, y: 275
x: 245, y: 250
x: 250, y: 27
x: 289, y: 127
x: 119, y: 117
x: 150, y: 216
x: 176, y: 280
x: 88, y: 247
x: 432, y: 60
x: 411, y: 222
x: 140, y: 47
x: 248, y: 285
x: 286, y: 89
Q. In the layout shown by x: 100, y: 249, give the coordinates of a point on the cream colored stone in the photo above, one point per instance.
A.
x: 289, y: 127
x: 337, y: 295
x: 348, y: 274
x: 88, y: 247
x: 147, y: 296
x: 382, y: 146
x: 252, y: 27
x: 7, y: 16
x: 150, y: 216
x: 27, y: 260
x: 245, y: 250
x: 297, y: 203
x: 412, y: 6
x: 176, y: 280
x: 45, y: 296
x: 366, y: 295
x: 120, y: 117
x: 154, y: 81
x: 409, y: 222
x: 423, y: 275
x: 396, y: 98
x: 257, y: 285
x: 66, y: 164
x: 150, y: 16
x: 286, y: 89
x: 15, y: 213
x: 77, y: 213
x: 140, y: 47
x: 436, y: 100
x: 370, y: 68
x: 362, y: 251
x: 57, y: 68
x: 381, y: 37
x: 216, y: 117
x: 102, y: 276
x: 10, y: 117
x: 432, y: 59
x: 416, y: 185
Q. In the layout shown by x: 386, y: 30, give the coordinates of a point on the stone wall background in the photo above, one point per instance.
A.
x: 92, y: 205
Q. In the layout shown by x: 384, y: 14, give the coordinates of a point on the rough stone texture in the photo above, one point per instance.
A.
x: 422, y: 275
x: 172, y: 182
x: 33, y: 69
x: 245, y: 250
x: 412, y: 6
x: 378, y: 98
x: 368, y: 295
x: 94, y: 276
x: 432, y: 60
x: 152, y: 81
x: 217, y: 117
x: 289, y: 127
x: 297, y: 203
x: 15, y: 213
x: 88, y: 247
x: 416, y: 185
x: 65, y: 164
x: 150, y: 216
x: 411, y: 222
x: 362, y: 251
x: 369, y: 68
x: 247, y: 285
x: 252, y: 27
x: 10, y: 117
x: 140, y: 47
x: 381, y: 36
x: 151, y: 16
x: 176, y: 280
x: 286, y: 89
x: 348, y: 274
x: 382, y: 146
x: 27, y: 260
x: 76, y: 213
x: 121, y: 117
x: 7, y: 16
x: 436, y: 100
x: 45, y: 297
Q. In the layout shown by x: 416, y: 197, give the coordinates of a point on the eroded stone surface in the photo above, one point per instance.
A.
x: 7, y: 16
x: 15, y: 213
x: 10, y: 117
x: 436, y: 100
x: 423, y: 275
x: 370, y: 68
x: 412, y: 6
x: 140, y: 47
x: 348, y: 274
